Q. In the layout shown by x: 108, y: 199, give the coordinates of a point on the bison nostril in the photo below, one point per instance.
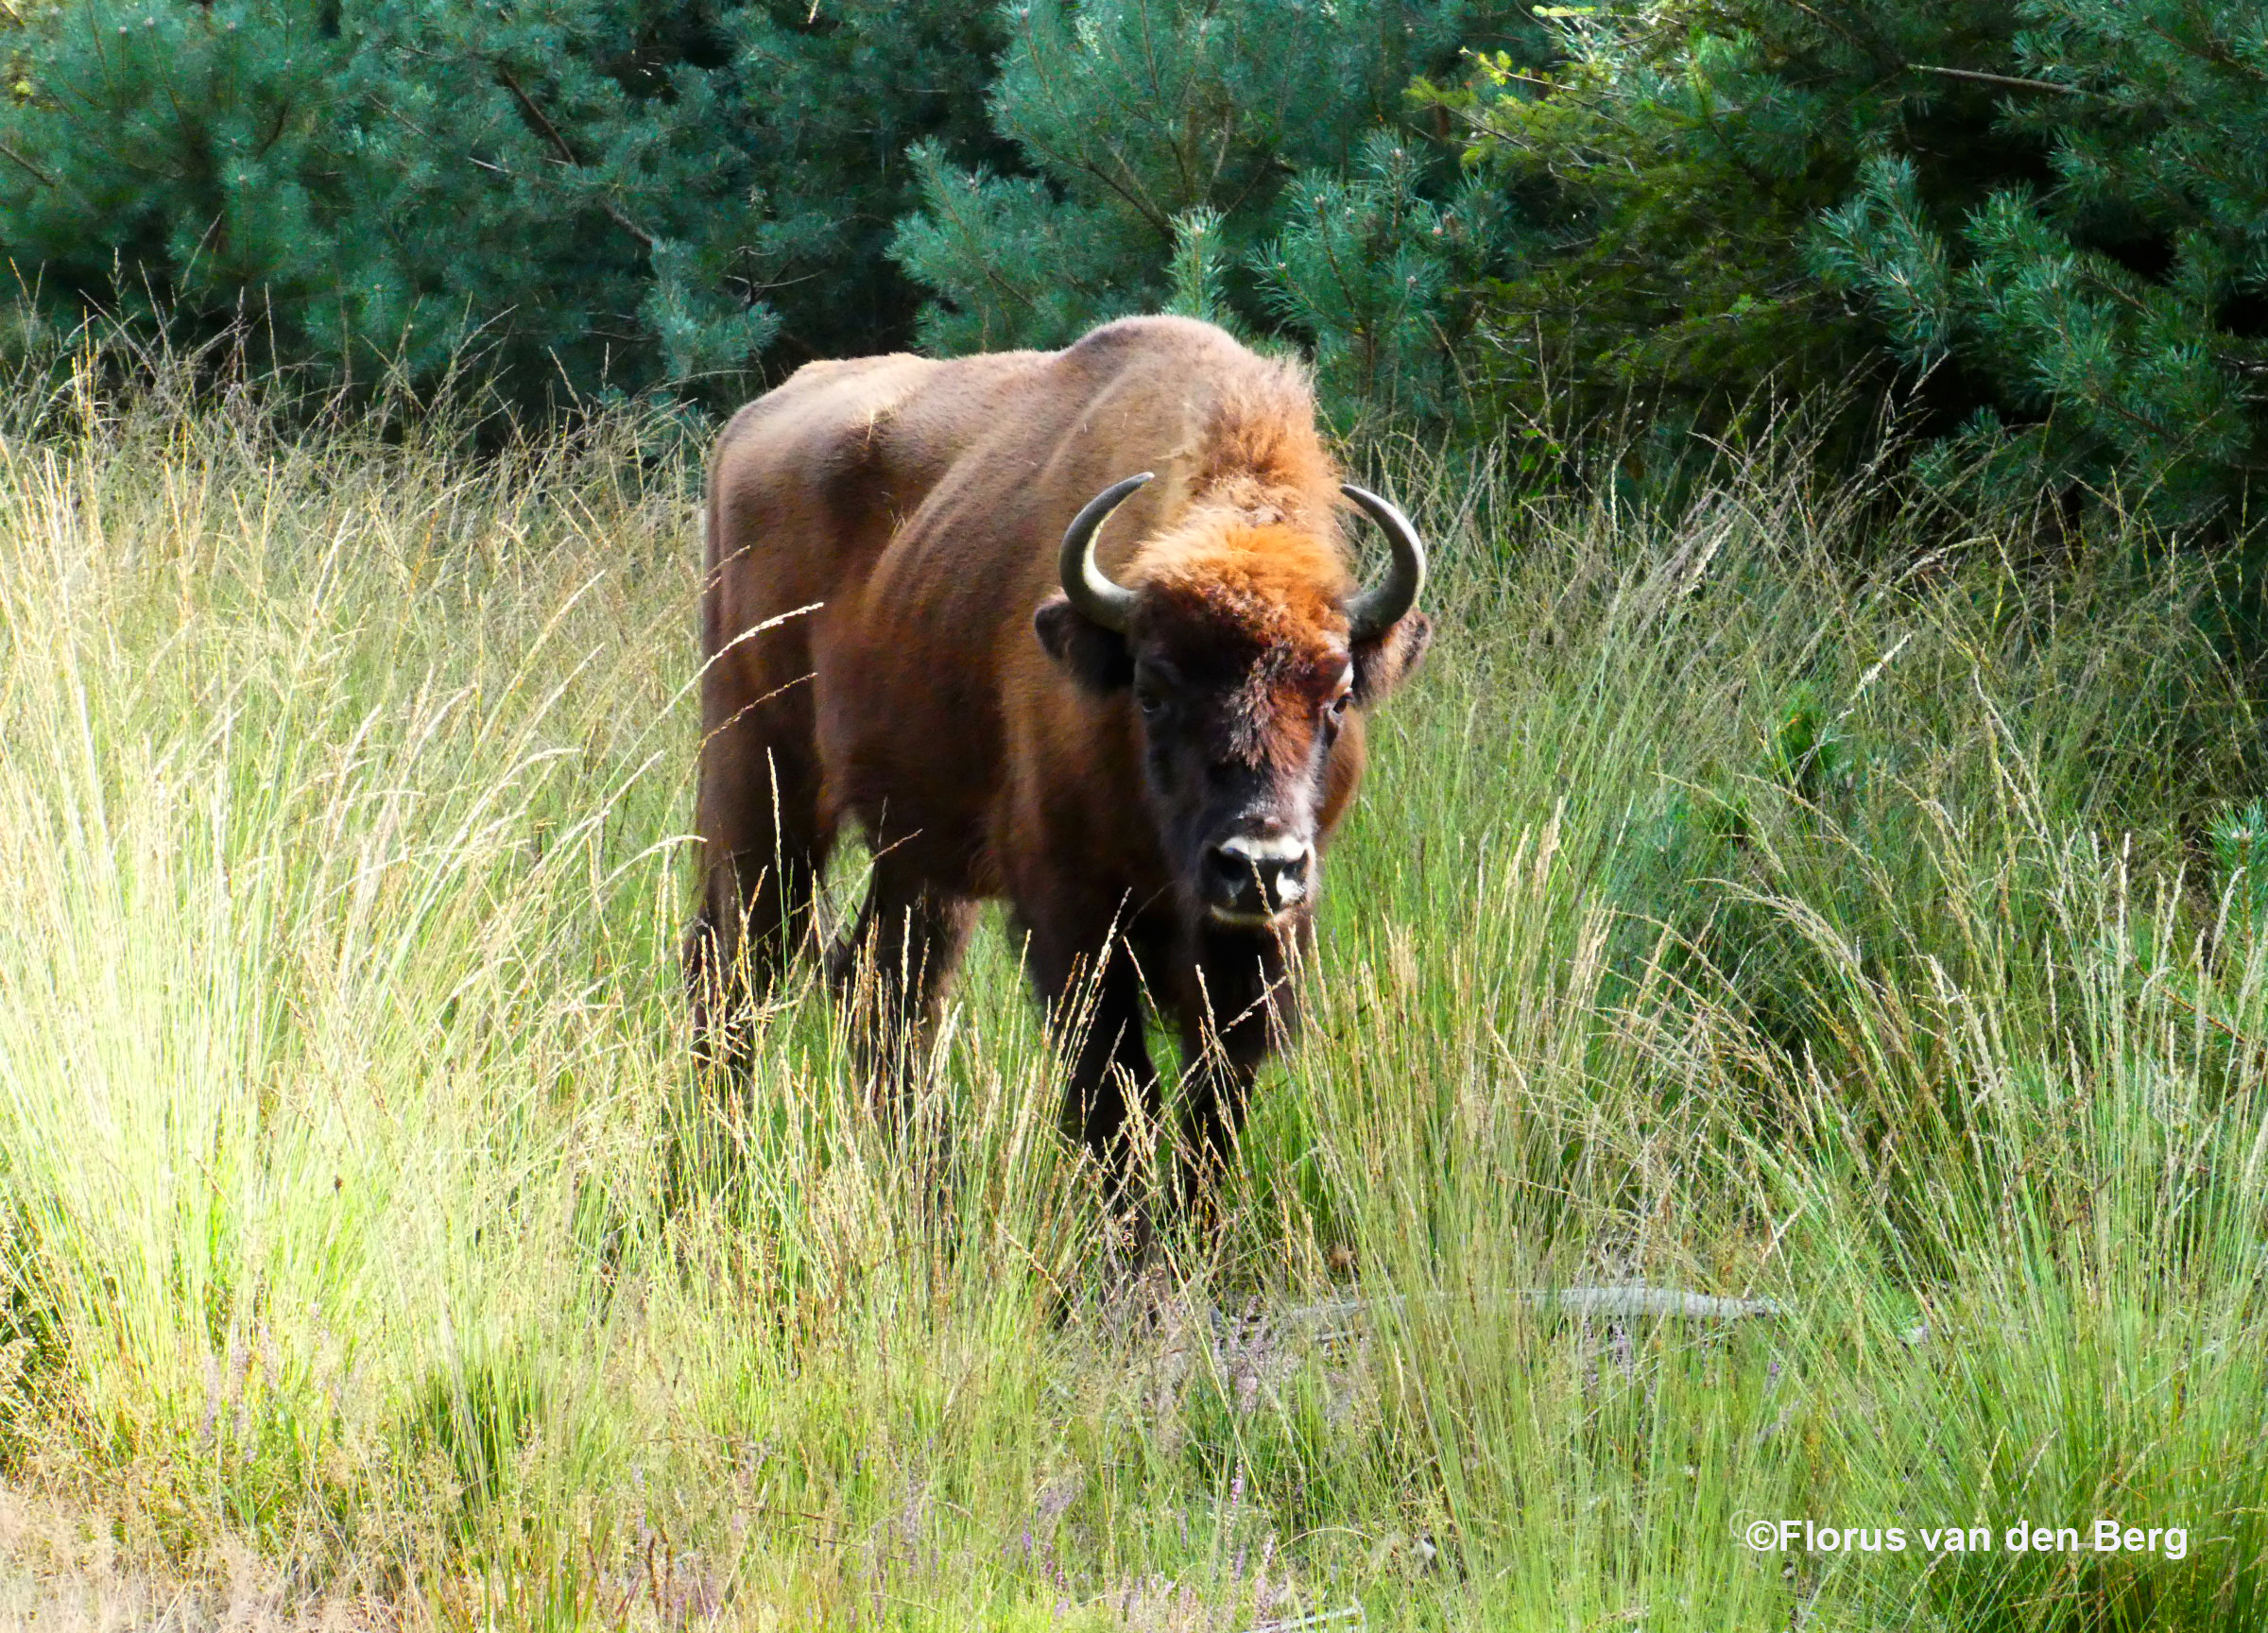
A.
x: 1263, y: 876
x: 1288, y: 883
x: 1229, y: 870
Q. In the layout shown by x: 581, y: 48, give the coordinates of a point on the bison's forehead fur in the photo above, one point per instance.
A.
x: 1251, y: 589
x: 1257, y: 614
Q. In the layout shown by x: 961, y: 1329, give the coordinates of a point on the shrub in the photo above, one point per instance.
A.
x: 2039, y: 213
x: 1252, y: 162
x: 574, y: 197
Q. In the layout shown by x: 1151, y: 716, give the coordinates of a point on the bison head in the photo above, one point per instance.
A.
x: 1244, y: 649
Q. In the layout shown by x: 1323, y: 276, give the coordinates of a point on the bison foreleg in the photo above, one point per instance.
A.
x: 1237, y: 1011
x: 1095, y: 1016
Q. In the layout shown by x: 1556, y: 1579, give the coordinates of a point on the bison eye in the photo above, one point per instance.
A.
x: 1151, y: 702
x: 1337, y: 708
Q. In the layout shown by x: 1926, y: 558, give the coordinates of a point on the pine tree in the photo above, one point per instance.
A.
x: 1252, y: 159
x: 383, y: 184
x: 1671, y: 164
x: 2049, y: 219
x: 570, y: 196
x: 834, y: 95
x: 2116, y: 309
x: 1377, y: 274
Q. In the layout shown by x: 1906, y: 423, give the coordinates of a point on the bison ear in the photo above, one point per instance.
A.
x: 1384, y: 663
x: 1096, y: 658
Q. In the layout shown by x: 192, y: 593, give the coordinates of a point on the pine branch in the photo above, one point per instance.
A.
x: 26, y: 165
x: 2216, y: 51
x: 2013, y: 83
x: 1871, y: 47
x: 527, y: 105
x: 567, y: 154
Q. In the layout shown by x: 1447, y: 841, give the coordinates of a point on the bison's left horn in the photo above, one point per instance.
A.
x: 1100, y: 598
x: 1376, y: 610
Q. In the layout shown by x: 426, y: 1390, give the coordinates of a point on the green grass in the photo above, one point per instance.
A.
x: 1734, y: 904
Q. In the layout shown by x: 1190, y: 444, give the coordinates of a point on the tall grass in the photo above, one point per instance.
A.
x: 1741, y: 900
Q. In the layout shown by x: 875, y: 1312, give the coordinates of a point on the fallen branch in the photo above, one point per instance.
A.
x: 1622, y: 1299
x: 1635, y: 1298
x: 1350, y: 1616
x: 1614, y: 1301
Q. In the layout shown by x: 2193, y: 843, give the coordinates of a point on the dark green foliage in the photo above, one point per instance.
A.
x: 479, y: 1415
x: 570, y: 196
x: 2113, y: 307
x: 2046, y: 220
x: 1254, y: 164
x: 2240, y: 844
x: 1682, y: 156
x: 834, y: 95
x: 376, y: 183
x: 595, y: 195
x: 1377, y: 277
x: 2050, y: 217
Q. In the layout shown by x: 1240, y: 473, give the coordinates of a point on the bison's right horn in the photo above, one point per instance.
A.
x: 1376, y: 610
x: 1098, y: 598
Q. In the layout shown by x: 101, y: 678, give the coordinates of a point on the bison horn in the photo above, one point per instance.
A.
x: 1098, y: 598
x: 1374, y: 611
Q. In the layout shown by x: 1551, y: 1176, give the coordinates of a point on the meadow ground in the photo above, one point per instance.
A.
x: 1744, y: 900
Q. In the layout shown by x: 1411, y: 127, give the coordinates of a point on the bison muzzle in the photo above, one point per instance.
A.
x: 1074, y: 629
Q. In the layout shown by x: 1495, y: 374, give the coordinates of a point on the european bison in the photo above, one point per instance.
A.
x: 1131, y: 707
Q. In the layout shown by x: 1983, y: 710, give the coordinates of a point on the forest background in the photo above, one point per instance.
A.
x: 2037, y: 226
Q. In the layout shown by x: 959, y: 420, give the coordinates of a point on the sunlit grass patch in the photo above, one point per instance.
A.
x: 1734, y: 906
